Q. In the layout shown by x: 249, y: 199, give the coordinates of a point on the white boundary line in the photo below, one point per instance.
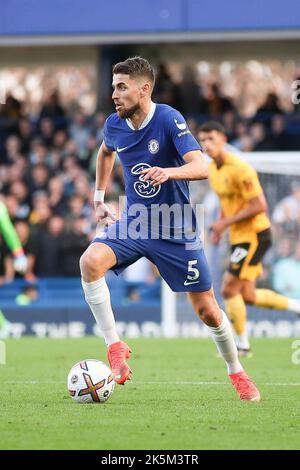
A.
x: 138, y: 382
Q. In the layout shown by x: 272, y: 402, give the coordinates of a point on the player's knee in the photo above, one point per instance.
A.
x: 208, y: 310
x: 227, y: 291
x: 249, y: 297
x: 230, y: 287
x: 90, y: 264
x: 84, y: 263
x: 210, y: 315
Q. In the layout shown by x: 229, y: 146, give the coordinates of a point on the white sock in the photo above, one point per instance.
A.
x: 223, y: 338
x: 294, y: 305
x: 242, y: 340
x: 98, y: 297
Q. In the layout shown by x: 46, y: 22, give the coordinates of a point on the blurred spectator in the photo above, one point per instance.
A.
x: 59, y: 140
x: 279, y: 139
x: 12, y: 205
x: 39, y: 177
x: 49, y: 240
x: 259, y: 139
x: 91, y: 152
x: 284, y: 249
x: 271, y: 105
x: 46, y: 132
x: 82, y: 187
x: 41, y: 211
x: 28, y: 295
x: 16, y: 171
x: 52, y: 107
x: 55, y: 161
x: 25, y: 133
x: 75, y: 207
x: 288, y: 209
x: 71, y: 171
x: 165, y: 90
x: 246, y: 143
x: 13, y: 148
x: 229, y: 121
x: 29, y: 244
x: 57, y: 200
x: 12, y: 112
x: 217, y: 103
x: 73, y: 243
x: 38, y: 153
x: 240, y: 131
x: 286, y: 275
x: 79, y: 132
x: 192, y: 100
x: 19, y: 189
x: 297, y: 92
x: 98, y: 126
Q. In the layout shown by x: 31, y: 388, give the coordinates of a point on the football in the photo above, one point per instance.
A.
x: 90, y: 381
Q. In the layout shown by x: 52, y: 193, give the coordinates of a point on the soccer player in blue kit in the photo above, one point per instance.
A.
x: 159, y: 156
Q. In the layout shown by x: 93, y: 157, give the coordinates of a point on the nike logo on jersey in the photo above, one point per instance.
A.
x: 181, y: 125
x: 120, y: 149
x: 187, y: 283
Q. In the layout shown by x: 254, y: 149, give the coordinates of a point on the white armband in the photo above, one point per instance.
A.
x: 99, y: 195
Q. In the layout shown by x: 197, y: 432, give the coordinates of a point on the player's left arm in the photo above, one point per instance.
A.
x: 195, y: 168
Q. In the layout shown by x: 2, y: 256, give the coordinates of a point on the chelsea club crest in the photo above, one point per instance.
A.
x: 153, y: 146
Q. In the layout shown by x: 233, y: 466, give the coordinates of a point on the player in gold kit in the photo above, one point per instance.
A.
x: 244, y: 212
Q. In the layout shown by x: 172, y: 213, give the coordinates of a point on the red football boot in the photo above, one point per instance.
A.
x: 117, y: 354
x: 244, y: 386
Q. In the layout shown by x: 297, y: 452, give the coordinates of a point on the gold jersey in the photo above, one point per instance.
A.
x: 236, y: 182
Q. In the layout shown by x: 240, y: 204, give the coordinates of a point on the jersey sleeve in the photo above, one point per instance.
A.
x: 107, y: 136
x: 180, y: 134
x: 248, y: 183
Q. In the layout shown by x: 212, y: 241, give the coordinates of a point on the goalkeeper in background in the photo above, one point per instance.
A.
x: 10, y: 236
x: 244, y: 212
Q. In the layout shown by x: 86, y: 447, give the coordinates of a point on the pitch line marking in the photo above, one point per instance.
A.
x: 140, y: 382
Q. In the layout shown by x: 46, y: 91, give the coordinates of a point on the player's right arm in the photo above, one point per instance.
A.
x: 105, y: 162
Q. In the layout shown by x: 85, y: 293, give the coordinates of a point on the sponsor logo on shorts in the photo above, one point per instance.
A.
x: 188, y: 283
x: 238, y: 254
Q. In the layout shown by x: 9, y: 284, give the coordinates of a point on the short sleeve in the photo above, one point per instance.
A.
x: 107, y: 136
x: 180, y: 134
x: 248, y: 183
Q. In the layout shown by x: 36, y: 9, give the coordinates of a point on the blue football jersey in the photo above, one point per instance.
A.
x: 162, y: 142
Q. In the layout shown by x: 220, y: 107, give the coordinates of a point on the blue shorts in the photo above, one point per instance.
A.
x: 182, y: 264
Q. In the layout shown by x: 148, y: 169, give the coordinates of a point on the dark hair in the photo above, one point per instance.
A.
x: 212, y: 126
x: 135, y: 67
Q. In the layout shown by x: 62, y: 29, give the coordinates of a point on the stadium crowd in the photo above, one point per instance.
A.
x: 47, y: 168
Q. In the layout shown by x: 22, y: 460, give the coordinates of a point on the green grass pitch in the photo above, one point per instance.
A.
x: 179, y: 398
